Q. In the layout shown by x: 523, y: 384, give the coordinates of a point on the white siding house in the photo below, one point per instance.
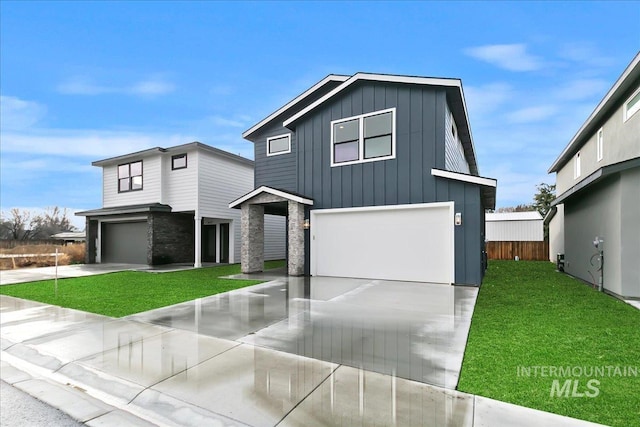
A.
x: 167, y: 205
x: 514, y: 227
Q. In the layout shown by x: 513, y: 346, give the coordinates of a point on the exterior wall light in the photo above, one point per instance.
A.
x: 458, y: 219
x: 306, y: 224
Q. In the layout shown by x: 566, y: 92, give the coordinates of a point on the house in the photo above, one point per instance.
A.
x: 70, y: 236
x: 377, y: 177
x: 169, y: 205
x: 514, y: 227
x: 598, y: 185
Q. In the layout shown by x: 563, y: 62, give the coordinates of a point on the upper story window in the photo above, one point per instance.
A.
x: 576, y: 166
x: 280, y: 144
x: 179, y: 161
x: 599, y: 144
x: 632, y: 105
x: 364, y: 138
x: 454, y: 131
x: 130, y: 176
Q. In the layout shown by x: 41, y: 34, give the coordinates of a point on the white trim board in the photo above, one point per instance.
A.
x: 375, y: 77
x: 265, y: 189
x: 487, y: 182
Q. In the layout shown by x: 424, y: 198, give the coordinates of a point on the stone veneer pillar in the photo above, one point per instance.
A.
x: 252, y: 247
x: 296, y: 239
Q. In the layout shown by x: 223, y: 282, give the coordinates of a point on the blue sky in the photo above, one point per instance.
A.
x: 83, y: 81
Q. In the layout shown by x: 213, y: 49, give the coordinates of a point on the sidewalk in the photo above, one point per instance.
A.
x: 105, y: 371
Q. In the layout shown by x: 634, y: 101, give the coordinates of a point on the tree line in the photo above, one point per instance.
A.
x: 22, y: 224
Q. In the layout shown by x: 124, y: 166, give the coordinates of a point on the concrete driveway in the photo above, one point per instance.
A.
x: 291, y: 352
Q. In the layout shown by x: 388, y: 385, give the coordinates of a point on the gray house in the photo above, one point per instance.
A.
x: 598, y: 187
x: 378, y: 178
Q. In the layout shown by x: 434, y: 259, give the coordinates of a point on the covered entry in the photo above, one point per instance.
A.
x: 401, y: 242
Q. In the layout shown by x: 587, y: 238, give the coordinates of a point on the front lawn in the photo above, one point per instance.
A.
x: 544, y: 340
x: 128, y: 292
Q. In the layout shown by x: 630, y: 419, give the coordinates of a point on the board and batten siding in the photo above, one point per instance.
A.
x: 151, y: 185
x: 420, y: 122
x: 454, y: 159
x: 277, y: 171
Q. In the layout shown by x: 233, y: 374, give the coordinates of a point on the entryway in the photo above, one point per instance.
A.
x: 215, y: 242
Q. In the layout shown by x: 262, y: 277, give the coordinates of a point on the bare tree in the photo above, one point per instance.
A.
x: 23, y: 225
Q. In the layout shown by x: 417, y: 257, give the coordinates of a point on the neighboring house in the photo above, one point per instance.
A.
x: 555, y: 221
x: 169, y: 205
x: 70, y: 236
x: 598, y: 182
x: 514, y: 227
x: 378, y: 178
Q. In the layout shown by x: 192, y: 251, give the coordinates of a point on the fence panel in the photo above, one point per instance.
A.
x: 529, y: 251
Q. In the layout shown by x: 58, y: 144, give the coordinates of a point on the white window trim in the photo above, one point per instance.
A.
x: 361, y: 118
x: 577, y: 166
x: 599, y: 144
x: 269, y: 139
x: 629, y: 113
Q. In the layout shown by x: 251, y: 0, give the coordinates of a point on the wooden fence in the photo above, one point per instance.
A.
x: 529, y: 251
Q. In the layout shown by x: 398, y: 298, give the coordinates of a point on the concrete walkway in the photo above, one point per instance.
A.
x: 168, y: 367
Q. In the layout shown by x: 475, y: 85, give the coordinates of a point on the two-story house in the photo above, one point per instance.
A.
x: 169, y: 205
x: 598, y: 187
x: 378, y: 178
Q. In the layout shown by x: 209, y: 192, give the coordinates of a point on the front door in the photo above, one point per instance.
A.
x: 224, y: 242
x: 209, y: 243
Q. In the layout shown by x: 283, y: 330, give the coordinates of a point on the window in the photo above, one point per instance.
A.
x: 130, y: 176
x: 179, y: 161
x: 453, y: 126
x: 632, y: 105
x: 280, y: 144
x: 576, y: 166
x: 364, y: 138
x: 599, y: 144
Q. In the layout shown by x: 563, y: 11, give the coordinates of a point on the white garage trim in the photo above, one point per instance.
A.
x: 399, y: 242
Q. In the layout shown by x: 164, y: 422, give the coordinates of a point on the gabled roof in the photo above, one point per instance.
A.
x: 159, y: 150
x: 609, y: 103
x: 298, y: 108
x: 264, y: 189
x: 300, y: 99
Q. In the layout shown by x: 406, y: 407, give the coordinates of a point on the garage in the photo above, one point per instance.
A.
x: 400, y: 242
x: 124, y: 242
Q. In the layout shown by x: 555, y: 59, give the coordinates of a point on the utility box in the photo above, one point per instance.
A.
x: 560, y: 262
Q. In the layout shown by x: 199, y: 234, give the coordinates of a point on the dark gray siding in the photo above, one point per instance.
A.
x: 420, y: 119
x: 275, y: 171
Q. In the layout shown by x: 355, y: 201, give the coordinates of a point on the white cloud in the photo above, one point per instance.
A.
x: 485, y: 99
x: 532, y: 114
x: 83, y: 86
x: 512, y: 57
x: 222, y: 121
x: 586, y: 54
x: 16, y: 113
x: 582, y: 89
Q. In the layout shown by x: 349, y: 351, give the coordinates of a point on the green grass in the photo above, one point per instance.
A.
x: 128, y: 292
x: 527, y: 315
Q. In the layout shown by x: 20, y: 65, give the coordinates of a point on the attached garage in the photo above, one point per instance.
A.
x: 124, y: 242
x: 401, y: 242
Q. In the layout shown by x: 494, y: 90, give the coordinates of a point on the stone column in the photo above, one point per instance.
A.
x: 252, y: 247
x: 296, y: 239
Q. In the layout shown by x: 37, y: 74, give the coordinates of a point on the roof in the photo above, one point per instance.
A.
x: 69, y: 235
x: 159, y: 150
x: 609, y: 103
x: 514, y: 216
x: 264, y: 189
x: 119, y: 210
x: 488, y: 185
x: 300, y: 106
x: 295, y: 102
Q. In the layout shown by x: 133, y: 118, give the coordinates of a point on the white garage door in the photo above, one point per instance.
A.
x: 402, y: 242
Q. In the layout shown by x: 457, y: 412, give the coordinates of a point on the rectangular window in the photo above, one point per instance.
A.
x: 599, y: 144
x: 364, y: 138
x: 632, y: 105
x: 280, y: 144
x: 130, y: 176
x: 576, y: 166
x: 179, y: 161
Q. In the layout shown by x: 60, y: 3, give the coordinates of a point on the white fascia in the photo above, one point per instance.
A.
x: 487, y: 182
x: 265, y: 189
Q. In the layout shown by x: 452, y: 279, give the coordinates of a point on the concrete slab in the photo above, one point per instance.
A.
x: 22, y: 275
x: 356, y: 397
x: 253, y: 385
